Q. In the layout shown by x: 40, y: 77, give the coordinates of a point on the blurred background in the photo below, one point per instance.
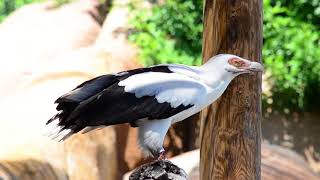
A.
x: 49, y: 47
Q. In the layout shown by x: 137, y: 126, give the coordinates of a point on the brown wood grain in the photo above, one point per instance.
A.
x: 231, y: 127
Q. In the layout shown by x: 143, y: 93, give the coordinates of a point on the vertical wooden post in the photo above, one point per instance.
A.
x: 231, y: 127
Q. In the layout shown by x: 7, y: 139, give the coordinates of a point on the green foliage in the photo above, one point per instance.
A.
x: 291, y: 54
x: 304, y: 10
x: 171, y: 33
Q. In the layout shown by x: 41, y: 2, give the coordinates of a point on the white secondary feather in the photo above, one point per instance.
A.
x: 176, y: 89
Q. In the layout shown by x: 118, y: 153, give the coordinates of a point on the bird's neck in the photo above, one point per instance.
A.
x: 217, y: 82
x: 216, y: 78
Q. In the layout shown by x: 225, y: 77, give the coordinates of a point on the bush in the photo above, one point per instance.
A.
x: 171, y: 33
x: 304, y: 10
x: 291, y: 54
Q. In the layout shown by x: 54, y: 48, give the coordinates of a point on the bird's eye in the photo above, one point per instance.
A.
x: 236, y: 62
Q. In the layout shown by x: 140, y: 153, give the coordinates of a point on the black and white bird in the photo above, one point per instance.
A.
x: 151, y: 99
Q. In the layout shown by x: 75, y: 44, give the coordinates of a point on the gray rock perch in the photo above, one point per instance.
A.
x: 158, y: 170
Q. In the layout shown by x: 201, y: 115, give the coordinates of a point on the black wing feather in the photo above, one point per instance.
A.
x: 94, y: 86
x: 87, y: 89
x: 101, y: 101
x: 115, y: 106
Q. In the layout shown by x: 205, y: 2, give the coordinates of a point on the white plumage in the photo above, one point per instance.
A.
x: 168, y: 87
x: 151, y: 98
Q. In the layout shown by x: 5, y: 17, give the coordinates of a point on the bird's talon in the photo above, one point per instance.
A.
x: 162, y: 156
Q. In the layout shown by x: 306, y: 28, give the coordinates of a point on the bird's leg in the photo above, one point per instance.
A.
x: 162, y: 155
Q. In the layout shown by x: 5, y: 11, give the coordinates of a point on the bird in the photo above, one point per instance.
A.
x: 150, y: 99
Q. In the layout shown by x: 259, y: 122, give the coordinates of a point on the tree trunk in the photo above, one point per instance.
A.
x: 231, y: 127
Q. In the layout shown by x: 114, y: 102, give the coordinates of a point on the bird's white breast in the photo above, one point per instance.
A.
x: 212, y: 95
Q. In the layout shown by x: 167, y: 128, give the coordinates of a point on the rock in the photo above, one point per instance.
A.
x: 29, y: 169
x: 58, y: 65
x: 37, y: 33
x: 276, y: 163
x: 92, y: 156
x: 195, y: 173
x: 159, y: 170
x: 281, y: 163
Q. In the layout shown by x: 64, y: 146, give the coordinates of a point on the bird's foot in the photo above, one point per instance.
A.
x: 162, y: 155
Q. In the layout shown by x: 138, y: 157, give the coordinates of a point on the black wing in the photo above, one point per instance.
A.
x: 101, y: 101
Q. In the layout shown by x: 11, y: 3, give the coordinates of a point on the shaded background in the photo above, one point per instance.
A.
x: 49, y: 47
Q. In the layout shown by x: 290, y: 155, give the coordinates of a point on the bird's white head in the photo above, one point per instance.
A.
x: 233, y: 64
x: 228, y: 66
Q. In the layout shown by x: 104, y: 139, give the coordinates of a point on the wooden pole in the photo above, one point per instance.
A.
x: 231, y: 127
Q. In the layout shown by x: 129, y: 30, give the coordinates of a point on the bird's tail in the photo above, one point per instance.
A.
x: 55, y: 130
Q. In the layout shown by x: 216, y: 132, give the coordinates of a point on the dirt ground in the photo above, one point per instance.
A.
x: 300, y: 133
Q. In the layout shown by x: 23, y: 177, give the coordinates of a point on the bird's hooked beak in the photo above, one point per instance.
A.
x: 253, y: 67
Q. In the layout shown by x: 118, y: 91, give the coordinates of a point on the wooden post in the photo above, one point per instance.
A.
x: 231, y: 127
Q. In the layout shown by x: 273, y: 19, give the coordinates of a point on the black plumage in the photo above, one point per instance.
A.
x: 101, y: 101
